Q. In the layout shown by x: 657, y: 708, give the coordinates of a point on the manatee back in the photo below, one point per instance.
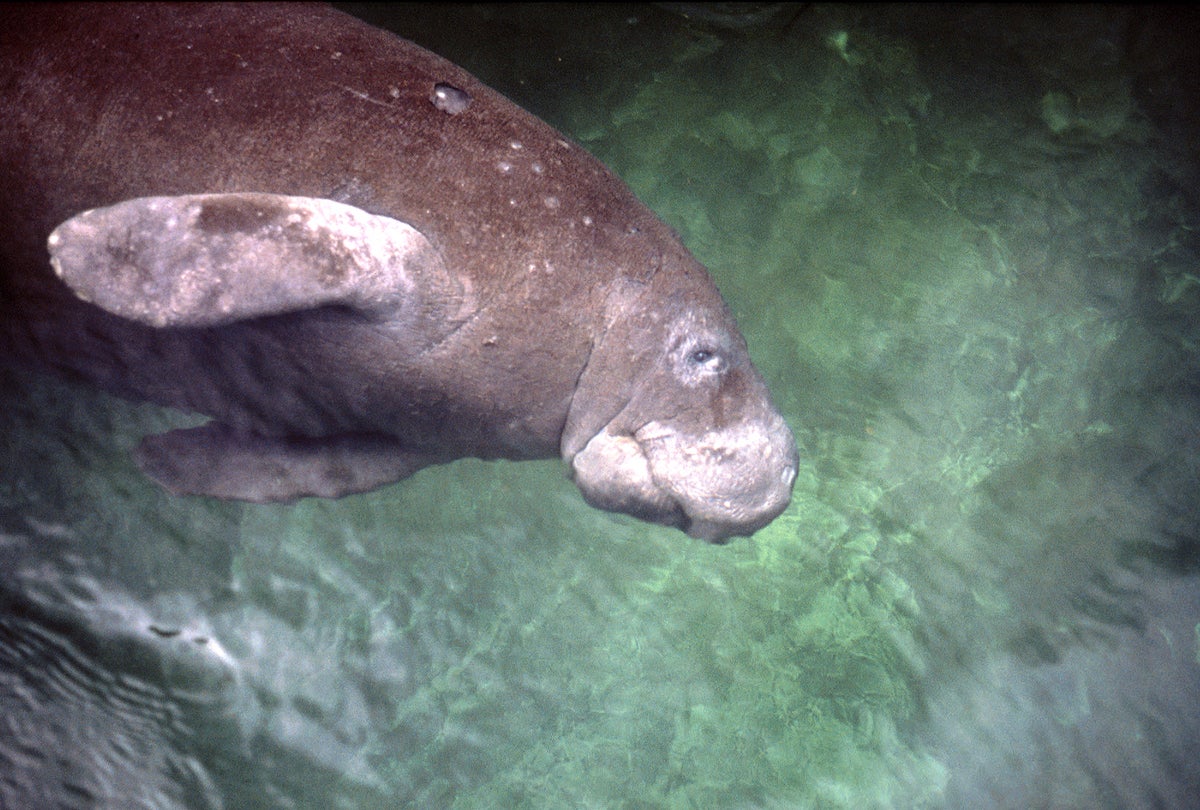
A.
x: 111, y: 104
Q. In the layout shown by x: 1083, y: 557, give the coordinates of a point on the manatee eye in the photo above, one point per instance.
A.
x: 707, y: 359
x: 701, y: 357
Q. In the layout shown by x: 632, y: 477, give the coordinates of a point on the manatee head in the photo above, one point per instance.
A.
x: 671, y: 422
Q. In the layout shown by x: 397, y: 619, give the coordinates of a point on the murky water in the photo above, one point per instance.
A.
x: 962, y: 245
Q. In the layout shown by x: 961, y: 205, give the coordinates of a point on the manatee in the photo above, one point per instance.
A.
x: 358, y: 261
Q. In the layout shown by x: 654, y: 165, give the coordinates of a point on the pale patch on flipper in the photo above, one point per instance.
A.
x: 210, y: 259
x: 217, y: 461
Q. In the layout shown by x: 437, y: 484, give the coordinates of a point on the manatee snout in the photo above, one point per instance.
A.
x: 729, y: 482
x: 717, y: 485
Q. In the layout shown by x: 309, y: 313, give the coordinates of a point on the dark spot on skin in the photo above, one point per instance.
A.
x: 736, y: 385
x: 263, y: 220
x: 328, y: 258
x: 230, y: 215
x: 450, y: 99
x: 728, y: 402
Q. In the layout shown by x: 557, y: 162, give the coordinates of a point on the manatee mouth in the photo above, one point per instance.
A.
x: 614, y: 474
x: 720, y: 485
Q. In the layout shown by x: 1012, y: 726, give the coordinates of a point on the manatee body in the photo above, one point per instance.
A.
x: 358, y: 261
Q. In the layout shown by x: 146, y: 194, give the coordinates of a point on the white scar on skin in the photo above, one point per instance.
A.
x: 365, y: 96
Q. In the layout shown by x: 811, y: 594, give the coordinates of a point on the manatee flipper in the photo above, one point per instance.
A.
x: 210, y: 259
x: 216, y: 460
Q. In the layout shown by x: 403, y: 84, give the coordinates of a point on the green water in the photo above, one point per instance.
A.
x: 962, y: 246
